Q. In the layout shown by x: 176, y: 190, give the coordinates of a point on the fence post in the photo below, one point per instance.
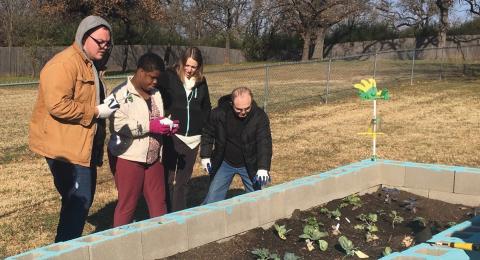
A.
x: 441, y: 64
x: 327, y: 88
x: 413, y: 66
x: 375, y: 64
x: 265, y: 95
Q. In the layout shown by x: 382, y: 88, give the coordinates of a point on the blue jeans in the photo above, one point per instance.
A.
x: 222, y: 180
x: 76, y: 185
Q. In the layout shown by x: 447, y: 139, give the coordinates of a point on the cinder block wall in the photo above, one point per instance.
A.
x: 180, y: 231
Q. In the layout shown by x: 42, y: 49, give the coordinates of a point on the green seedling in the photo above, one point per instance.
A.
x: 264, y: 254
x: 281, y: 231
x: 312, y: 233
x: 395, y: 218
x: 387, y: 251
x: 323, y: 245
x: 312, y: 221
x: 421, y: 221
x: 347, y: 245
x: 291, y: 256
x: 451, y: 223
x: 353, y: 200
x: 359, y: 226
x: 336, y: 214
x: 369, y: 221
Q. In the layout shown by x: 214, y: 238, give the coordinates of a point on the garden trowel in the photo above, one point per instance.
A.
x: 458, y: 245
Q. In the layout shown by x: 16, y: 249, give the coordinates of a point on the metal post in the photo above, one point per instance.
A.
x: 374, y: 130
x: 441, y: 64
x: 265, y: 95
x: 327, y: 90
x: 413, y: 66
x: 375, y: 64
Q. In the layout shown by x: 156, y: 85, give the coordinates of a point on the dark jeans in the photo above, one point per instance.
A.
x: 178, y: 160
x: 76, y: 185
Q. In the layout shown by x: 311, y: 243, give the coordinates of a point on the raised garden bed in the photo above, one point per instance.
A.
x: 391, y: 215
x: 188, y: 229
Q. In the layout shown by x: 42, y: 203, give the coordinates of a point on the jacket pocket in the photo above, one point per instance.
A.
x: 84, y: 88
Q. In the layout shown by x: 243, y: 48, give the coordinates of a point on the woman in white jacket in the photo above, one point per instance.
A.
x: 135, y: 146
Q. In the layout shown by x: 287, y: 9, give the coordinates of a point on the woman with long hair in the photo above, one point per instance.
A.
x: 186, y: 99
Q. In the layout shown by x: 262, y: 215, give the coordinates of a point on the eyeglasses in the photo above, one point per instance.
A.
x: 102, y: 44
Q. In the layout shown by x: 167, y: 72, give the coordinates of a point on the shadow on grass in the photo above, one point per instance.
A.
x: 103, y: 218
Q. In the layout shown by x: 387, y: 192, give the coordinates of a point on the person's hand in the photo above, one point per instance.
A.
x: 175, y: 126
x: 262, y: 177
x: 157, y: 126
x: 109, y: 106
x: 207, y: 165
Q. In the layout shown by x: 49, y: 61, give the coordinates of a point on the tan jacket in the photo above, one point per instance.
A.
x: 130, y: 125
x: 63, y: 125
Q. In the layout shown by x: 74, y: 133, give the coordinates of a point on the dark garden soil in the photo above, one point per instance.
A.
x: 437, y: 216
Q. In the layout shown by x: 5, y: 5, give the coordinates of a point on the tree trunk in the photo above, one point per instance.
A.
x: 444, y: 7
x: 166, y: 56
x: 320, y: 39
x: 126, y: 45
x: 442, y: 34
x: 306, y: 45
x: 226, y: 56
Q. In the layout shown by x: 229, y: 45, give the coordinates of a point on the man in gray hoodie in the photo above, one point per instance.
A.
x: 68, y: 121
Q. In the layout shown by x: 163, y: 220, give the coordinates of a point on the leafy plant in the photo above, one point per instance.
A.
x: 331, y: 214
x: 281, y: 231
x: 359, y: 226
x: 395, y: 218
x: 264, y: 254
x: 353, y: 200
x: 312, y: 233
x: 369, y: 222
x: 421, y: 221
x: 387, y: 251
x: 347, y: 245
x: 451, y: 223
x: 323, y: 245
x: 312, y: 221
x: 290, y: 256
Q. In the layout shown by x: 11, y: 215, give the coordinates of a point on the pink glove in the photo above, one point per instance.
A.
x: 156, y: 127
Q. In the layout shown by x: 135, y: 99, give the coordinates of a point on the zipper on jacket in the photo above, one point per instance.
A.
x: 189, y: 98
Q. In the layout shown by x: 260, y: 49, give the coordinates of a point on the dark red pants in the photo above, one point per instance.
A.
x: 132, y: 179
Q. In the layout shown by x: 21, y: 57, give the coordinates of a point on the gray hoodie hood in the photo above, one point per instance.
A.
x: 87, y: 24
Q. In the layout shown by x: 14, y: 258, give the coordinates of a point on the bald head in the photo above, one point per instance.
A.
x: 242, y: 101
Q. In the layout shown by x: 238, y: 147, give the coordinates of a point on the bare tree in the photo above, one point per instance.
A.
x: 416, y: 14
x: 474, y: 6
x: 444, y: 8
x: 11, y: 11
x: 312, y: 18
x: 224, y: 16
x: 122, y: 10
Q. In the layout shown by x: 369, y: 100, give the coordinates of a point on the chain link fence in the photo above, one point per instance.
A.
x: 278, y: 87
x: 282, y: 86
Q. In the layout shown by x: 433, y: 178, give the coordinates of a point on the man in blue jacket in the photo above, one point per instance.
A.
x: 236, y: 139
